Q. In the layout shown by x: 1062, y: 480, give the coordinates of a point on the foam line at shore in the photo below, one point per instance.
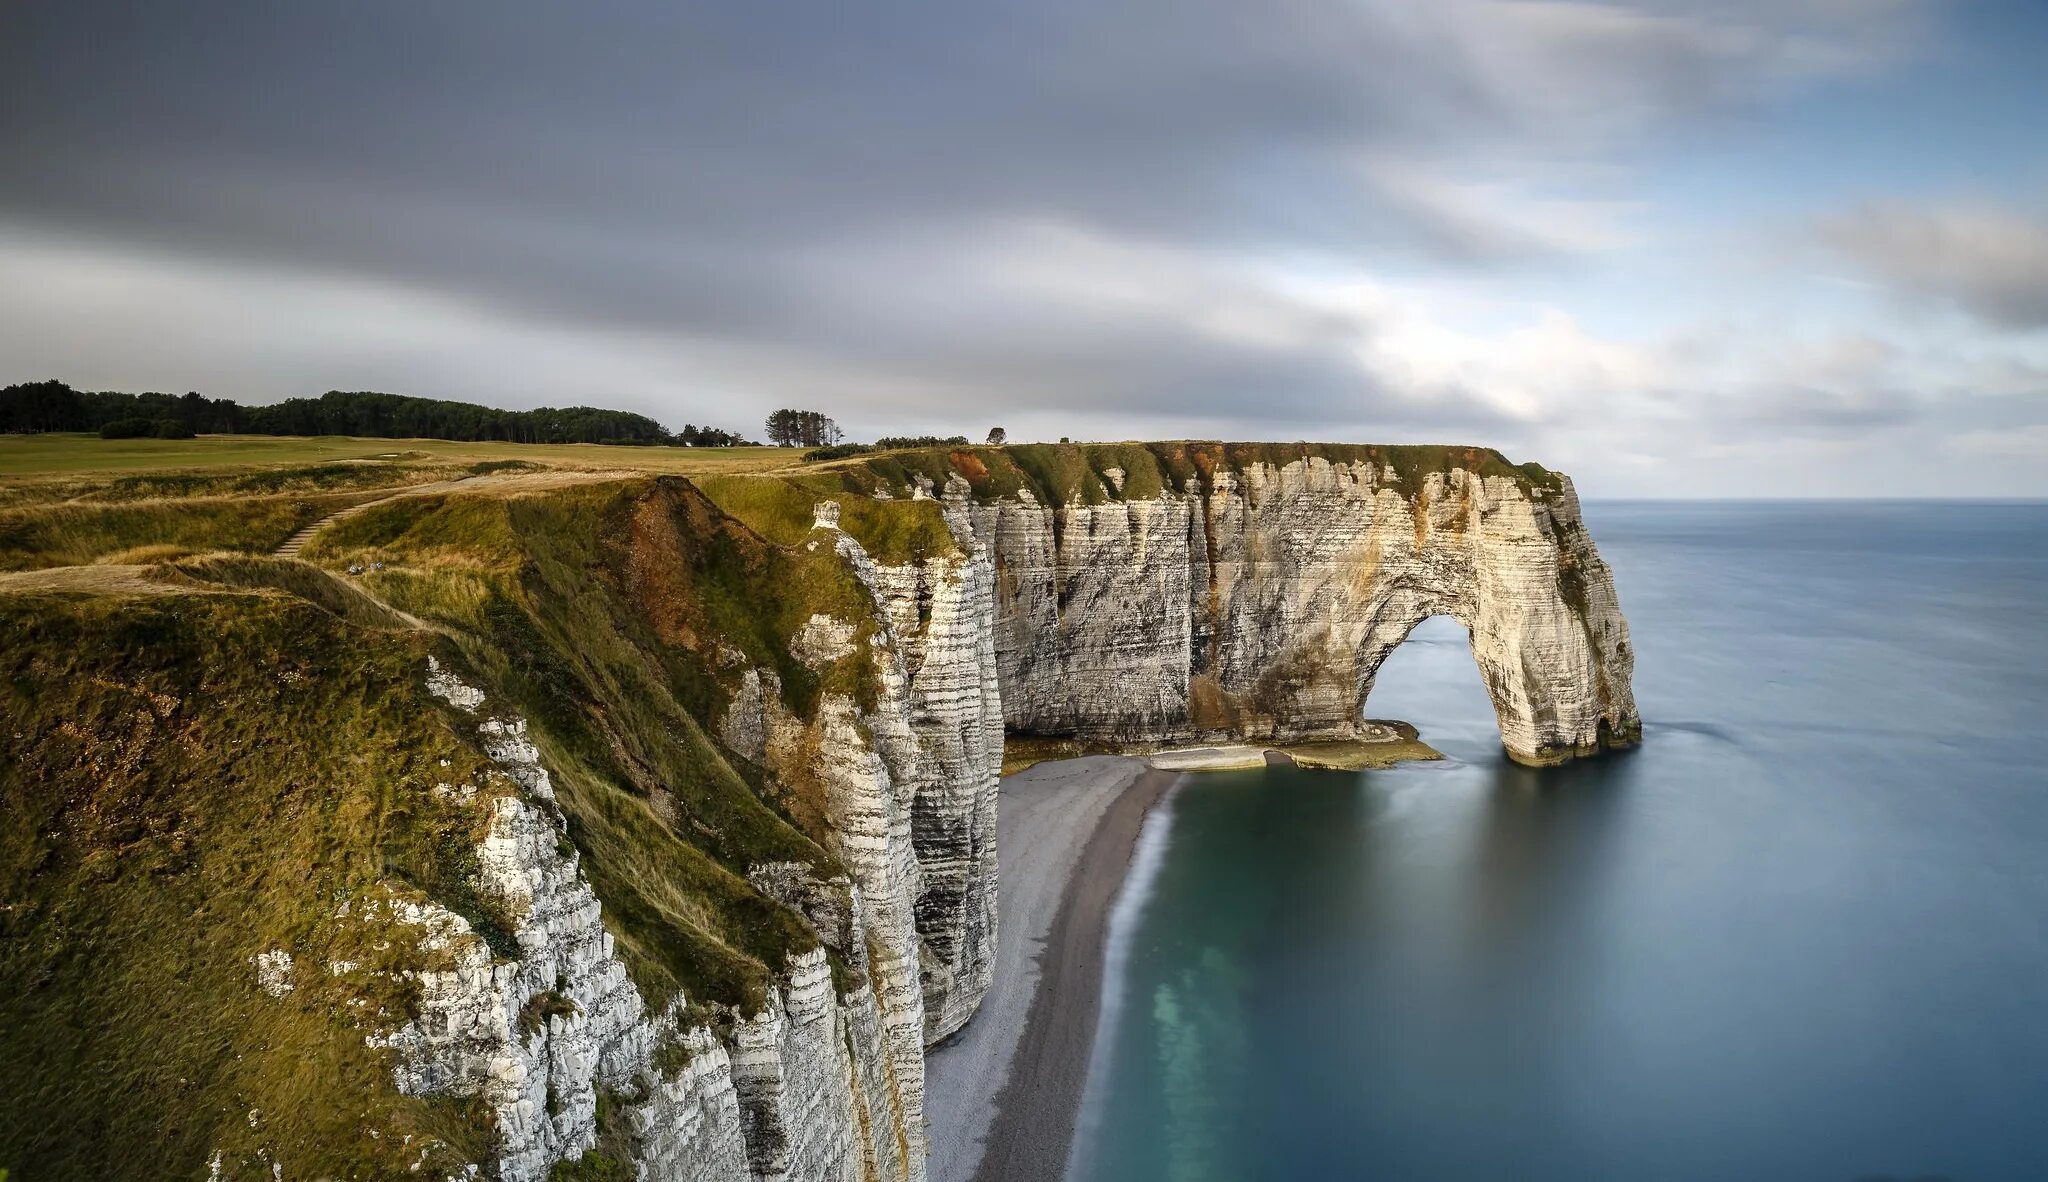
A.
x: 1139, y: 881
x: 1004, y: 1093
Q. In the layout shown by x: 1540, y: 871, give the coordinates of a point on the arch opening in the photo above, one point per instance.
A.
x: 1430, y: 680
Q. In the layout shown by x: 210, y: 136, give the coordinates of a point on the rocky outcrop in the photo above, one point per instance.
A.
x: 940, y: 612
x: 1257, y: 605
x: 808, y: 1088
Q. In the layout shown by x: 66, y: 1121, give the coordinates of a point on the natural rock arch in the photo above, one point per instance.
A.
x: 1259, y: 607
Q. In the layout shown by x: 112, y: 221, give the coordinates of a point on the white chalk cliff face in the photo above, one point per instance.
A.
x: 804, y: 1089
x: 1260, y: 607
x: 1255, y: 605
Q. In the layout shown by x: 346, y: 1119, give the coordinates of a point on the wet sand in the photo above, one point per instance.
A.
x: 1002, y: 1096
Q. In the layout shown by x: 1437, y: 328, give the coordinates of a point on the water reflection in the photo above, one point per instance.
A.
x: 1380, y: 917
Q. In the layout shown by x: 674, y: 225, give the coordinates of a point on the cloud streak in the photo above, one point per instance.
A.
x: 1987, y: 259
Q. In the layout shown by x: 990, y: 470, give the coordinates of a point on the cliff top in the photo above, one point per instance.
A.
x: 1094, y: 473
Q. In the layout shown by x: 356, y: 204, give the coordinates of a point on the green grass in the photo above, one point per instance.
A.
x: 188, y: 781
x: 604, y: 612
x: 782, y: 509
x: 191, y: 779
x: 300, y: 479
x: 1070, y: 473
x: 143, y: 531
x: 60, y: 453
x: 288, y: 576
x: 196, y: 778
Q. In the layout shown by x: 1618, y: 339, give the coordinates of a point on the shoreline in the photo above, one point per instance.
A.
x: 1040, y: 1104
x: 1005, y: 1092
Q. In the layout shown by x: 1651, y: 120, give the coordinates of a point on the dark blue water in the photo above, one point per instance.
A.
x: 1801, y: 934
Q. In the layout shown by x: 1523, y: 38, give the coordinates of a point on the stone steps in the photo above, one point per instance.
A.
x: 297, y: 542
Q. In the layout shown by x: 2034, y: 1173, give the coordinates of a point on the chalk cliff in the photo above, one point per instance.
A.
x: 728, y: 757
x: 1258, y: 604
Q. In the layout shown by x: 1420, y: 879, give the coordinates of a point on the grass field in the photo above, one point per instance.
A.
x: 72, y: 454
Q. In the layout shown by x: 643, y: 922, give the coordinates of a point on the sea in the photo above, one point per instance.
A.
x: 1800, y: 934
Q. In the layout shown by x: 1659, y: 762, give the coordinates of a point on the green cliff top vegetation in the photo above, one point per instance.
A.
x: 1065, y: 473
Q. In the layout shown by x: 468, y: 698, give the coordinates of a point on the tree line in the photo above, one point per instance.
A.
x: 55, y: 406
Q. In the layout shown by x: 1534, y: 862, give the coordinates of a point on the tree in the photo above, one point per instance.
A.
x: 802, y: 428
x: 42, y: 406
x: 996, y: 435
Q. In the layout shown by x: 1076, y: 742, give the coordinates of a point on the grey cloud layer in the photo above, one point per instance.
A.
x: 1992, y: 261
x: 1072, y: 209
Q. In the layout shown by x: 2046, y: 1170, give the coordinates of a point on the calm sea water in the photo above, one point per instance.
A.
x: 1801, y: 934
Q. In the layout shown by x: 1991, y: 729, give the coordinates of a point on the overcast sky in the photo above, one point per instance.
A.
x: 1787, y: 247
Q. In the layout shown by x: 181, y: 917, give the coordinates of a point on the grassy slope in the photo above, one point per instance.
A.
x: 82, y: 532
x: 781, y: 508
x: 199, y: 777
x: 187, y: 781
x: 618, y: 618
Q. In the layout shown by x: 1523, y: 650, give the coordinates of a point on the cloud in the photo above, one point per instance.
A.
x: 1350, y: 219
x: 1990, y: 260
x: 677, y: 163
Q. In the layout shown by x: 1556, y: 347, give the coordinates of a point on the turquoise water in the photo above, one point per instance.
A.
x: 1801, y: 934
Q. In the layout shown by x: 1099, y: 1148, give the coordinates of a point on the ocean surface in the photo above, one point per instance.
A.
x: 1800, y: 934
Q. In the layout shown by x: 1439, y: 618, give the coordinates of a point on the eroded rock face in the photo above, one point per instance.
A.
x: 806, y: 1089
x: 1260, y: 606
x: 1256, y: 606
x: 940, y: 614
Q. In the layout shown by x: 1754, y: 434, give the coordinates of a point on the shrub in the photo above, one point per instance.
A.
x: 127, y: 429
x: 548, y: 1003
x: 837, y: 451
x: 171, y: 429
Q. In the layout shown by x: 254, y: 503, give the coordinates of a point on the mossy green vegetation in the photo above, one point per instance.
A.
x: 76, y: 533
x: 618, y: 618
x: 286, y: 576
x: 611, y: 1159
x: 1025, y: 751
x: 782, y: 509
x: 1095, y: 473
x: 190, y: 781
x: 1403, y: 745
x: 298, y: 478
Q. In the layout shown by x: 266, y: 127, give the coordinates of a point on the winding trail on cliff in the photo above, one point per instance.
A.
x: 1003, y: 1095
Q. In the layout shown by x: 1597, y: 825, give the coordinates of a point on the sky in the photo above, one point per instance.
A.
x: 1754, y: 247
